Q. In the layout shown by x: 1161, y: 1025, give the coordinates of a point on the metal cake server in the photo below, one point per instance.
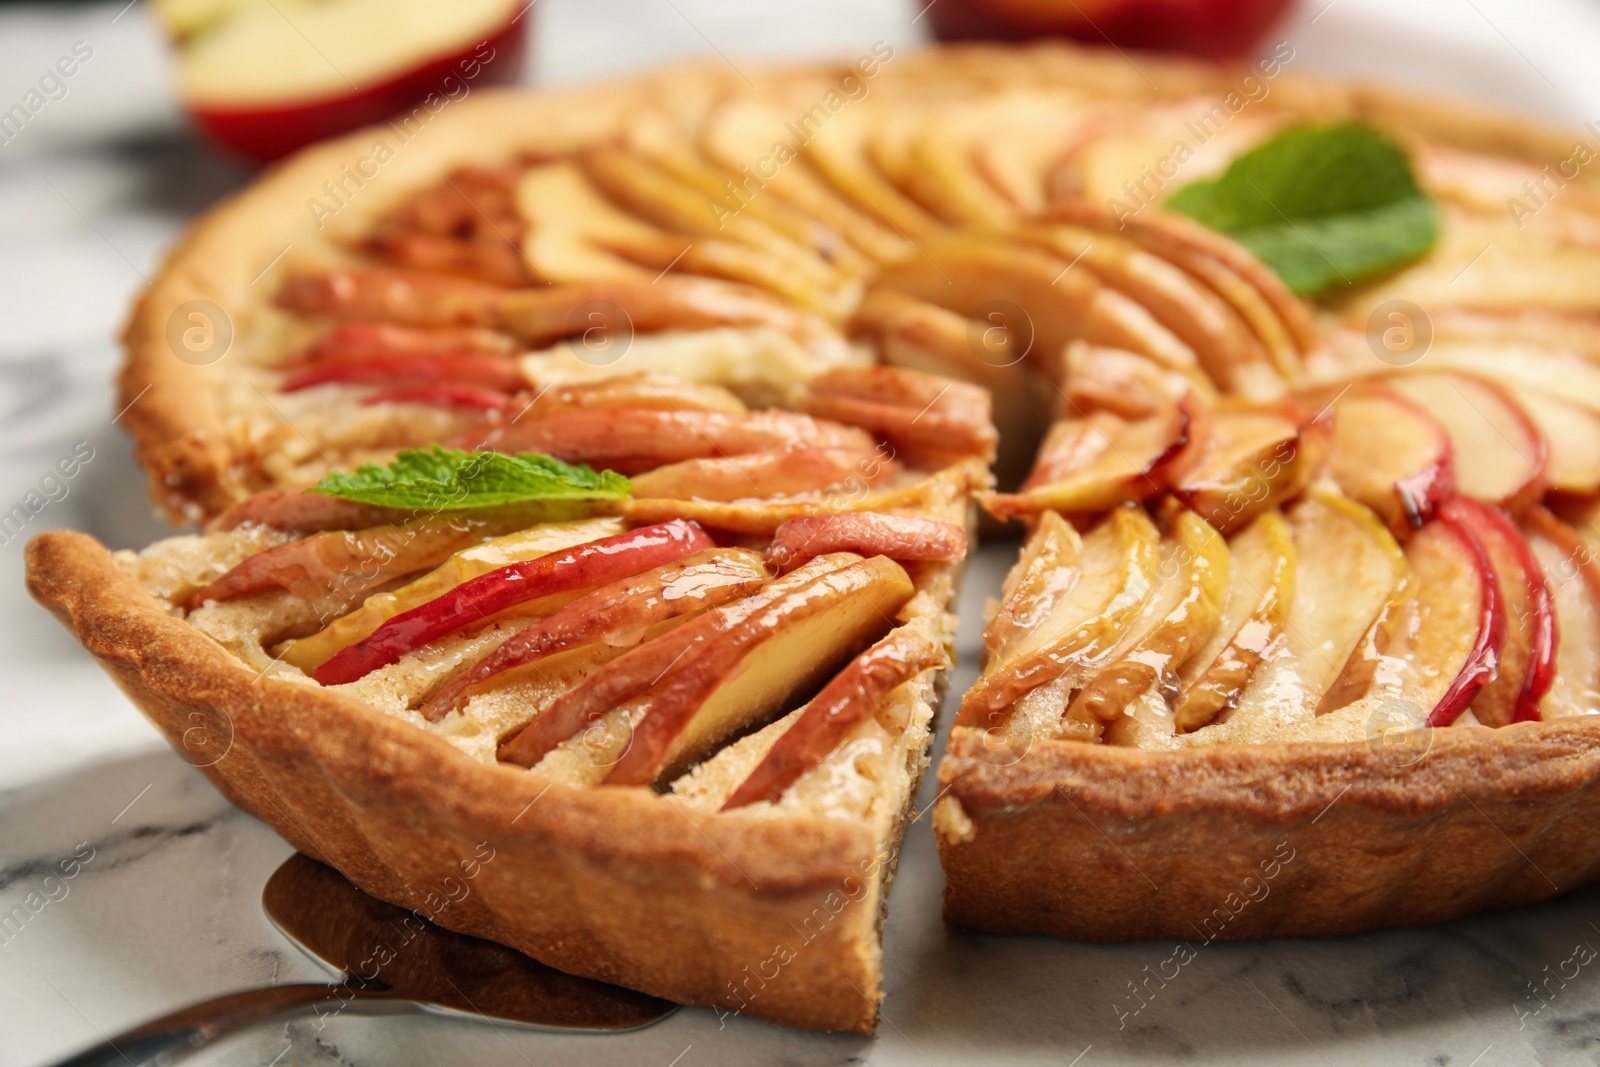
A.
x: 390, y: 961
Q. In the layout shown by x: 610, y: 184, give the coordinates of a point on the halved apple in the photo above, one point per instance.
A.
x: 755, y: 669
x: 1097, y: 463
x: 620, y: 613
x: 1525, y: 666
x: 852, y: 695
x: 1500, y: 453
x: 265, y: 81
x: 1260, y: 590
x: 1177, y: 621
x: 1390, y: 454
x: 1569, y: 563
x: 1117, y: 573
x: 309, y: 653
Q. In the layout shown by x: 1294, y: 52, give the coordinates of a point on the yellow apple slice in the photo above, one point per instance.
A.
x: 1568, y: 562
x: 993, y: 278
x: 309, y: 653
x: 1045, y: 572
x: 1230, y: 353
x: 570, y: 227
x: 1178, y: 620
x: 1117, y: 574
x: 753, y: 672
x: 1347, y: 569
x: 781, y: 472
x: 838, y: 149
x: 1500, y: 453
x: 753, y: 138
x: 1260, y: 590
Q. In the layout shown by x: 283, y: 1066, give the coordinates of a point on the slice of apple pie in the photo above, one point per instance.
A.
x: 584, y: 484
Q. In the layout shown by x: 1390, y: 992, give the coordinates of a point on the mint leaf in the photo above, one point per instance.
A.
x: 1326, y: 206
x: 446, y: 479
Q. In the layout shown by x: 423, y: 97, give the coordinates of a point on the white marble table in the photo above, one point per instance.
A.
x: 166, y: 910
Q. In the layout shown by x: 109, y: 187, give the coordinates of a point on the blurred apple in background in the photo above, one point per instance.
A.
x: 1217, y: 29
x: 265, y: 77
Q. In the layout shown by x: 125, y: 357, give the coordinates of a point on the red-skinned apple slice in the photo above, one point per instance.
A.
x: 1392, y: 456
x: 854, y: 693
x: 361, y: 340
x: 410, y: 298
x: 1116, y: 575
x: 634, y: 440
x: 780, y: 472
x: 1573, y: 435
x: 1260, y: 590
x: 539, y: 539
x: 1570, y: 567
x: 930, y: 421
x: 649, y: 664
x: 902, y: 537
x: 591, y: 564
x: 1140, y: 459
x: 485, y: 372
x: 619, y: 613
x: 1526, y: 663
x: 440, y: 396
x: 748, y: 674
x: 1458, y: 626
x: 1500, y: 453
x: 1178, y: 620
x: 358, y: 560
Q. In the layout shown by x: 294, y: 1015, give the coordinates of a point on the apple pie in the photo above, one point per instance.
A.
x: 586, y: 485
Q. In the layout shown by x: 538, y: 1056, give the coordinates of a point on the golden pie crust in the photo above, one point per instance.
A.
x: 1083, y: 841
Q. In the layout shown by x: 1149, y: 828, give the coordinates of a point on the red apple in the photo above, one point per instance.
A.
x: 591, y: 564
x: 266, y: 79
x: 1219, y: 29
x: 1527, y: 661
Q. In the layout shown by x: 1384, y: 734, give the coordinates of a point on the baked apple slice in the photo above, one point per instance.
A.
x: 619, y: 613
x: 855, y: 692
x: 1260, y: 591
x: 1569, y: 563
x: 1393, y: 456
x: 901, y: 537
x: 309, y: 653
x: 928, y: 421
x: 1178, y: 620
x: 1348, y: 569
x: 1572, y: 434
x: 608, y: 559
x: 780, y: 472
x: 1500, y: 453
x: 1526, y: 664
x: 1096, y: 463
x: 1253, y: 459
x: 1044, y: 573
x: 1115, y: 574
x: 748, y: 674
